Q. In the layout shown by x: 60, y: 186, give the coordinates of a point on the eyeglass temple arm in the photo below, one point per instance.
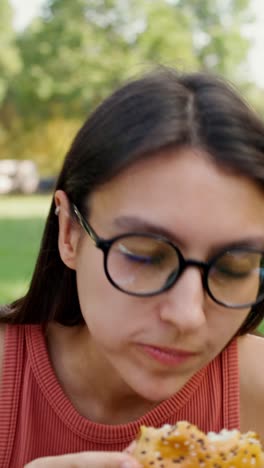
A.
x: 86, y: 225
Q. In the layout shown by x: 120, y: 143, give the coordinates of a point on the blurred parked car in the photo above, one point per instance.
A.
x: 18, y: 176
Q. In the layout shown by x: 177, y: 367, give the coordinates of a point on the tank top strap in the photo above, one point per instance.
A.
x: 231, y: 386
x: 14, y: 349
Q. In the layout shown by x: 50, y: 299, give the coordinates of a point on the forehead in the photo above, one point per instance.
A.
x: 184, y: 191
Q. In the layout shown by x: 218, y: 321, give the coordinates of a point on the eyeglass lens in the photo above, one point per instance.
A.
x: 145, y: 265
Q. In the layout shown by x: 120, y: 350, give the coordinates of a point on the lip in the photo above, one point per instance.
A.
x: 167, y: 356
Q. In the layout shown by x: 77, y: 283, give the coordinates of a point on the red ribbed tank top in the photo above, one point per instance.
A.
x: 37, y: 419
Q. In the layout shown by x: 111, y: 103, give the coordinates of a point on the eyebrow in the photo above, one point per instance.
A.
x: 136, y: 224
x: 139, y: 225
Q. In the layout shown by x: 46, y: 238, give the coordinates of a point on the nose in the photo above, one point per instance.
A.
x: 183, y: 304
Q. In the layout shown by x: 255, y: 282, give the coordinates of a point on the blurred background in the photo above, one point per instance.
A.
x: 60, y: 58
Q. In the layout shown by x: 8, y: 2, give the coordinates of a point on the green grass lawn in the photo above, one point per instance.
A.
x: 261, y: 328
x: 21, y: 226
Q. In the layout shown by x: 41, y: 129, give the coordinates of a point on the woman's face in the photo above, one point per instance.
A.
x: 155, y: 344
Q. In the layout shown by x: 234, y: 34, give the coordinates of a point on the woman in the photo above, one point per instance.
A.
x: 148, y: 281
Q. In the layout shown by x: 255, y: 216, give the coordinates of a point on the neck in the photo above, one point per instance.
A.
x: 92, y: 385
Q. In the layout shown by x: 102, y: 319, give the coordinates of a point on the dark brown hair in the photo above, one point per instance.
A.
x: 162, y: 109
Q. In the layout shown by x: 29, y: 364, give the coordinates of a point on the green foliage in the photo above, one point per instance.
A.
x: 76, y: 53
x: 166, y: 36
x: 218, y: 42
x: 9, y: 56
x: 72, y: 57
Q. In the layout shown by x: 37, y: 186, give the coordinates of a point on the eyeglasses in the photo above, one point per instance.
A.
x: 145, y: 265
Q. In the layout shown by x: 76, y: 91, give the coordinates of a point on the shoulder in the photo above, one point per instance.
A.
x: 251, y: 364
x: 2, y: 340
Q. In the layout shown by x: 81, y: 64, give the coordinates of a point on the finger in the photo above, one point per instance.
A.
x: 86, y: 460
x: 131, y: 447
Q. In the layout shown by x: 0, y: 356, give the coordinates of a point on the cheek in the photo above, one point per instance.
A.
x: 107, y: 312
x: 224, y: 323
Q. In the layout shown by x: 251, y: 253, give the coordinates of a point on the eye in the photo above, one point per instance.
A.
x: 232, y: 273
x: 155, y: 258
x: 137, y: 258
x: 237, y: 264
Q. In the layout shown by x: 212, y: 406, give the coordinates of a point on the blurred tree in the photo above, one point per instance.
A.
x: 78, y: 52
x: 72, y: 57
x: 165, y: 36
x: 10, y: 63
x: 217, y: 33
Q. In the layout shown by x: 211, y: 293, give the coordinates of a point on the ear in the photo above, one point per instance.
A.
x: 69, y: 230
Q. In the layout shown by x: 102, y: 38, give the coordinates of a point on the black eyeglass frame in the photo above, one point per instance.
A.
x: 205, y: 267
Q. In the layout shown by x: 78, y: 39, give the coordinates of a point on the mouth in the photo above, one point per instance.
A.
x: 167, y: 356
